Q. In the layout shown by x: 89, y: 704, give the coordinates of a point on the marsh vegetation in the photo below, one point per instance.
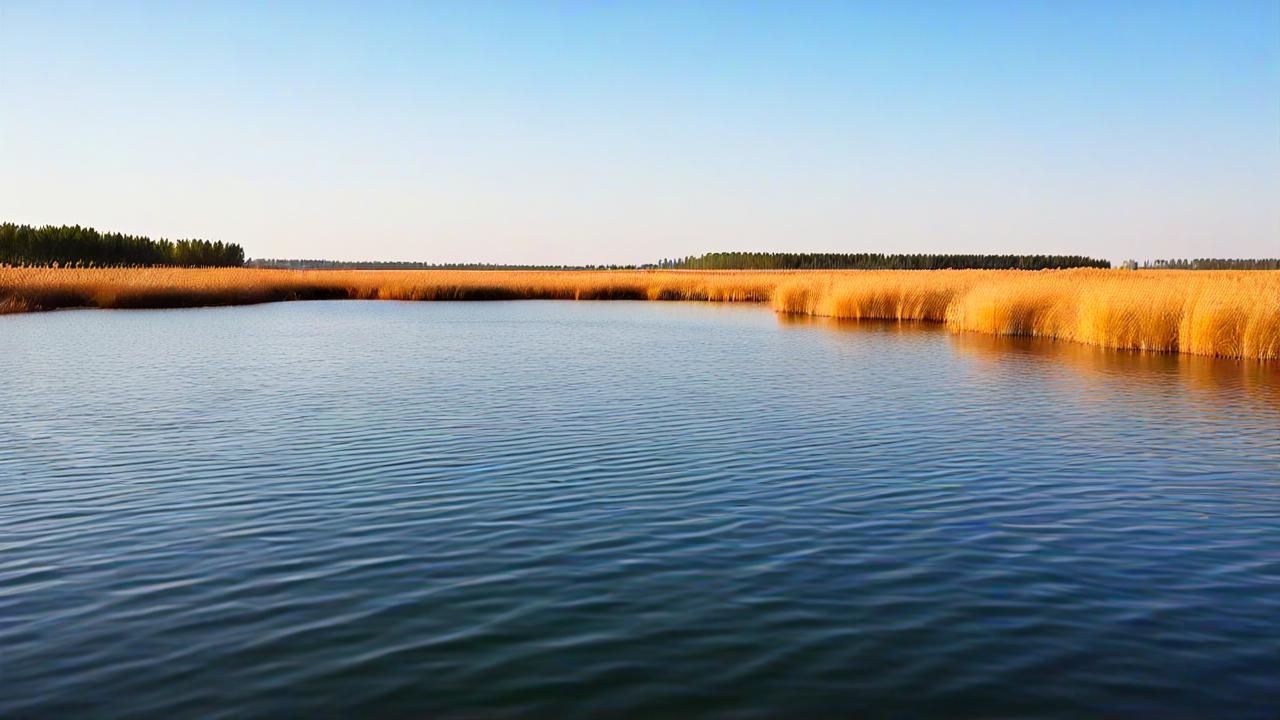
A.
x: 1224, y: 313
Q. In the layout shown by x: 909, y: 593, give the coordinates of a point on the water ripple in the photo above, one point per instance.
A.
x: 582, y: 509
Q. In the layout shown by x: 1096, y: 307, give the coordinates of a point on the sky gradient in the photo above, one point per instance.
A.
x: 625, y: 132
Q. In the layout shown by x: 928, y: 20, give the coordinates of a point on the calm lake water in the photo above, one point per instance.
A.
x: 586, y: 509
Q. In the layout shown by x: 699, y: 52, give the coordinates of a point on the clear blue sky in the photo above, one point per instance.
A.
x: 621, y: 132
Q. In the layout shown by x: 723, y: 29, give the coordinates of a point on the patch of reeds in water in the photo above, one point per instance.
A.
x: 1226, y: 313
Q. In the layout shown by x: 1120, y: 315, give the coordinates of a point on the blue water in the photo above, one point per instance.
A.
x: 625, y: 509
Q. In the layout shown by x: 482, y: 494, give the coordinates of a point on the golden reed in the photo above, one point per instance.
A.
x: 1228, y: 313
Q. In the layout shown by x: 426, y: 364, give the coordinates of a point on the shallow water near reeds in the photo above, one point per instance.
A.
x: 640, y: 509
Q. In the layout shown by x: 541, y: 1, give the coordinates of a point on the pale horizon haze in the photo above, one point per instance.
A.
x: 620, y: 132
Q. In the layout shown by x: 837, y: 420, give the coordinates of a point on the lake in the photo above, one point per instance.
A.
x: 640, y: 509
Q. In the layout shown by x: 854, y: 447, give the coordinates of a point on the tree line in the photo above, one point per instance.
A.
x: 302, y: 264
x: 1208, y: 264
x: 81, y: 246
x: 75, y: 245
x: 875, y: 261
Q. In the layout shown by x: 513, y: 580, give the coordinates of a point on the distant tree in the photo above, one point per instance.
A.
x: 877, y: 261
x: 411, y: 265
x: 1214, y: 264
x: 73, y: 245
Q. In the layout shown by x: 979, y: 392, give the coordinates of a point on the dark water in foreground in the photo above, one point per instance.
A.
x: 625, y: 509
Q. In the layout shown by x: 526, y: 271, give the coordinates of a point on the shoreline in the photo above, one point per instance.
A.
x: 1222, y: 313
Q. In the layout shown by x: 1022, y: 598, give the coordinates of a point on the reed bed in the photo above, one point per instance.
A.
x: 1228, y: 313
x: 51, y: 288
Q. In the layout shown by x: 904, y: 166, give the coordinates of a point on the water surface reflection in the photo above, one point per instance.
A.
x: 625, y: 509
